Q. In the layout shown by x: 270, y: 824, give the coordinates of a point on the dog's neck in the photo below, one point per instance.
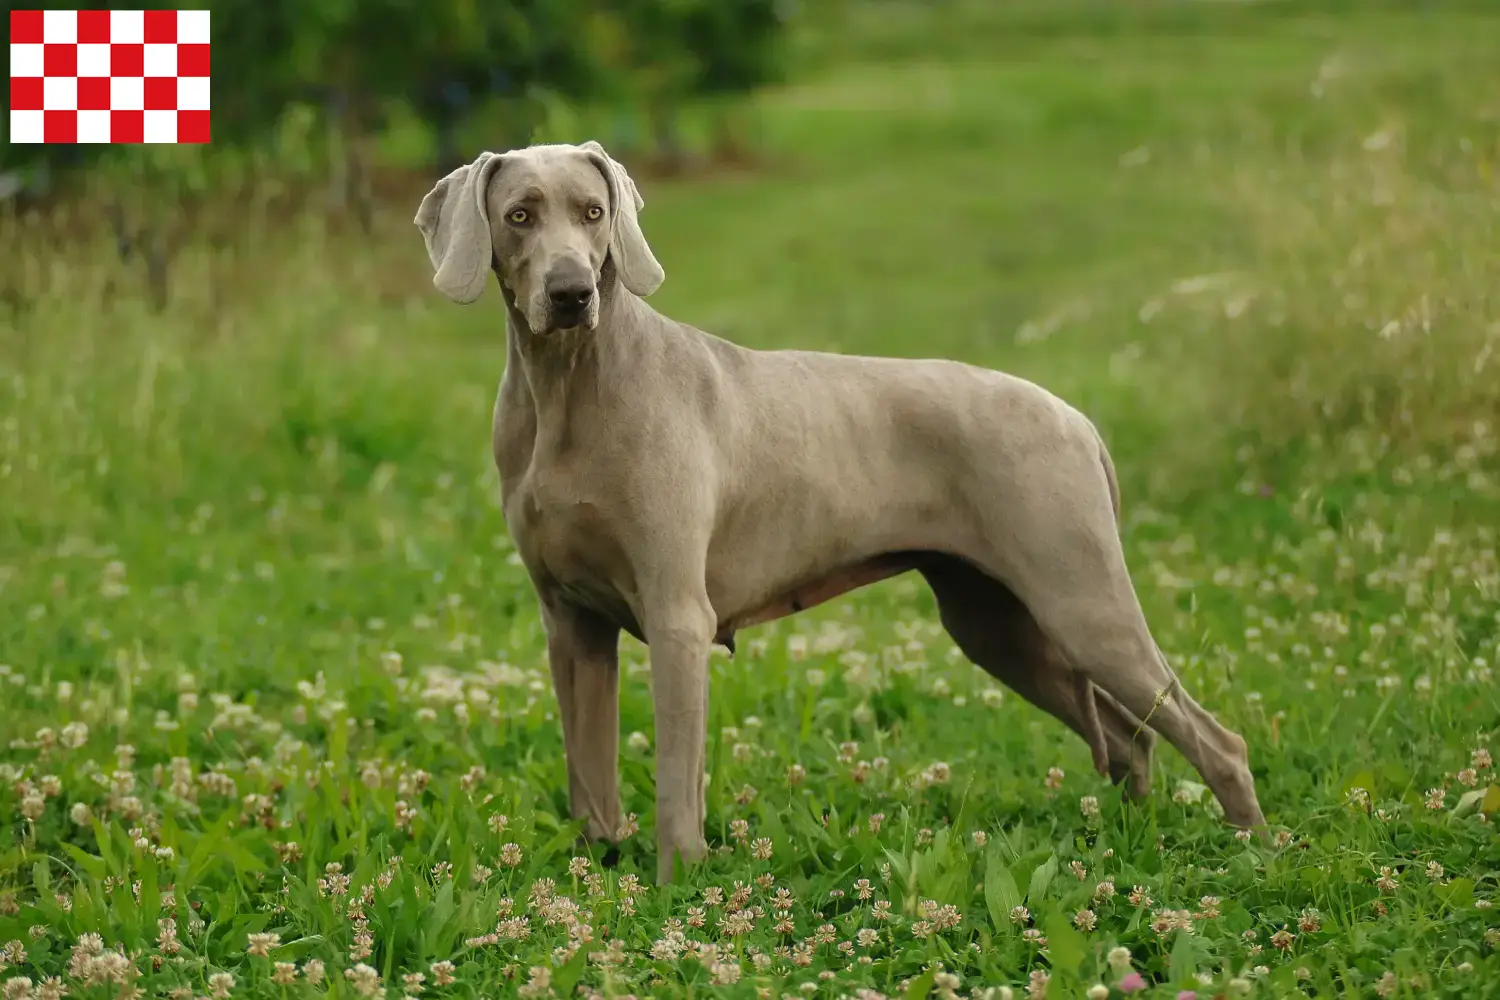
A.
x: 556, y: 366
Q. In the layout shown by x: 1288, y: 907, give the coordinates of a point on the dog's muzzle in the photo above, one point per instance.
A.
x: 570, y: 303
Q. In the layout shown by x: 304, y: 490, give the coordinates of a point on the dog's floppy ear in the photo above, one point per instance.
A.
x: 634, y: 261
x: 455, y: 225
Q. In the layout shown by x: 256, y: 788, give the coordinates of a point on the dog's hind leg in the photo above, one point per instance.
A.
x: 1067, y: 567
x: 995, y: 631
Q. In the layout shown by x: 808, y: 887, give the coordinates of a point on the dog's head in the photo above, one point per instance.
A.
x: 546, y: 218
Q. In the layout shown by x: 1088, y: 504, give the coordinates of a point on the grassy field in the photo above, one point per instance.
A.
x: 278, y: 720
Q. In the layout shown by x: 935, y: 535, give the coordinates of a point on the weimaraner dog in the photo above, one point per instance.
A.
x: 663, y: 481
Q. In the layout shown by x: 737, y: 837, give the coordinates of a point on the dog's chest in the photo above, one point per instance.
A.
x: 564, y: 536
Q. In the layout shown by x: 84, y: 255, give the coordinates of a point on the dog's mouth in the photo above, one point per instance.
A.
x: 568, y: 324
x: 578, y: 320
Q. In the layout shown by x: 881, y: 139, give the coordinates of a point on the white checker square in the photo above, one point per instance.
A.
x: 26, y: 60
x: 93, y: 126
x: 161, y: 59
x: 93, y: 60
x: 26, y: 126
x: 127, y: 27
x: 60, y: 93
x: 161, y: 126
x: 192, y: 93
x: 60, y: 27
x: 127, y: 93
x: 192, y: 27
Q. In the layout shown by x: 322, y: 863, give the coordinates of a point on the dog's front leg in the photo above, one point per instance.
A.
x: 679, y: 631
x: 583, y: 651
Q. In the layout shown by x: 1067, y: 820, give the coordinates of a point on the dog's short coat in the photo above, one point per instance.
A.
x: 666, y: 482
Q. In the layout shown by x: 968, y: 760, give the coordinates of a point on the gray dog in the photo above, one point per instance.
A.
x: 660, y: 480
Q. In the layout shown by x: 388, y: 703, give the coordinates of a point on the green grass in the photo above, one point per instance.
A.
x: 262, y: 619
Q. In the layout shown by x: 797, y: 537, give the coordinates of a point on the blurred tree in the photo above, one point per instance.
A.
x: 305, y: 85
x: 738, y: 52
x: 657, y: 68
x: 350, y: 58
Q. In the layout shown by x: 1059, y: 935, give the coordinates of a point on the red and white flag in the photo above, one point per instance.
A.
x: 108, y: 76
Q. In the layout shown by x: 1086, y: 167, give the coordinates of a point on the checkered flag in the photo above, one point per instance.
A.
x: 108, y: 76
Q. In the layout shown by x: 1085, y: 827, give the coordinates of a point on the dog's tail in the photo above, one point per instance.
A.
x: 1109, y: 475
x: 1090, y: 727
x: 1093, y: 731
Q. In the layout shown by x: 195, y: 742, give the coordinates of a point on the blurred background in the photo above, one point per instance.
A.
x: 346, y: 89
x: 1255, y: 241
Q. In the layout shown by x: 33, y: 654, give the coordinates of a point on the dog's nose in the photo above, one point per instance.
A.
x: 571, y: 299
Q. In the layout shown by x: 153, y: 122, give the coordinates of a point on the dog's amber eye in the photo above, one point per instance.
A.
x: 518, y: 217
x: 594, y: 213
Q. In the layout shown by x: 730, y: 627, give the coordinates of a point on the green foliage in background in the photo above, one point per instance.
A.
x: 353, y: 59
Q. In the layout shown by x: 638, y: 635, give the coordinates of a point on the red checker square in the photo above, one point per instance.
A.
x: 93, y: 93
x: 192, y: 126
x: 161, y: 27
x: 127, y: 126
x: 161, y: 93
x: 60, y: 60
x: 59, y: 126
x: 93, y: 27
x: 127, y: 60
x: 192, y: 60
x: 26, y: 27
x: 26, y: 93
